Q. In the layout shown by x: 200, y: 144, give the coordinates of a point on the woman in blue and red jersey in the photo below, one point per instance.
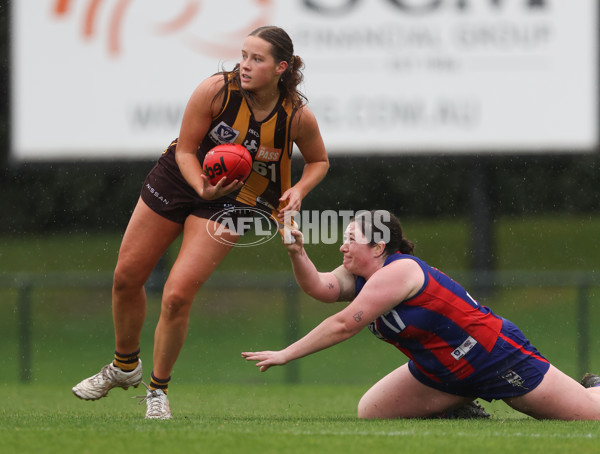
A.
x: 458, y: 350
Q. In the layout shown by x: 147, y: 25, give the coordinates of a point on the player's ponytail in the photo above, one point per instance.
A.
x: 406, y: 247
x: 283, y: 50
x: 291, y: 79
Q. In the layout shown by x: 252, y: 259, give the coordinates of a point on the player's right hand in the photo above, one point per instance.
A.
x: 297, y: 245
x: 221, y: 189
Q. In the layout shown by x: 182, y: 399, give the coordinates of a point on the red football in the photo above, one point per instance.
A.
x: 228, y: 159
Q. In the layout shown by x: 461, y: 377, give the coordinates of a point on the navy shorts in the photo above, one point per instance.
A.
x: 513, y: 368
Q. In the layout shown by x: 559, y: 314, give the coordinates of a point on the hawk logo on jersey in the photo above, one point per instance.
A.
x: 267, y: 154
x: 251, y: 145
x: 223, y: 133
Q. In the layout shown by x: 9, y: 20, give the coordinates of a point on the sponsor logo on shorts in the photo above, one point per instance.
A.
x: 513, y: 378
x: 157, y: 194
x: 223, y: 133
x: 464, y: 348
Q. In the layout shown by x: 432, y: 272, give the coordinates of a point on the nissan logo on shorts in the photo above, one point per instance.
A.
x: 239, y: 220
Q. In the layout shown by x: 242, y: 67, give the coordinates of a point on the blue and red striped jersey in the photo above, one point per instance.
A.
x: 442, y: 329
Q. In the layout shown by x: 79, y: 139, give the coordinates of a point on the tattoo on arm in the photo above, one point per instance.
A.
x: 330, y: 285
x: 358, y: 316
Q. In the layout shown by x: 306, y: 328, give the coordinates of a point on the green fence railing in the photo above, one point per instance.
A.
x: 479, y: 283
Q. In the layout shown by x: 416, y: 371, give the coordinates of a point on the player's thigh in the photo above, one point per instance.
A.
x: 400, y: 395
x: 199, y: 256
x: 558, y: 396
x: 147, y: 237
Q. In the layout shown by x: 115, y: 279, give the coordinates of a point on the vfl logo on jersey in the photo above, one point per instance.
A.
x: 267, y: 154
x: 464, y: 348
x: 223, y: 133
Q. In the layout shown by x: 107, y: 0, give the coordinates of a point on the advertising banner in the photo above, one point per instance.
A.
x: 109, y: 79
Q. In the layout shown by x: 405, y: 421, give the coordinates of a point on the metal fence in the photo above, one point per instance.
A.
x: 480, y: 282
x: 26, y: 283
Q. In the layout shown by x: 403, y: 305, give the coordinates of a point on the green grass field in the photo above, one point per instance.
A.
x: 221, y: 418
x: 221, y: 403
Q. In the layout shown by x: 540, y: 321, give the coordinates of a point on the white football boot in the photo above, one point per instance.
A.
x: 98, y: 386
x: 157, y: 404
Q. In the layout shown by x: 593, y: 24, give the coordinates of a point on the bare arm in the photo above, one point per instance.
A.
x: 307, y: 137
x: 383, y: 291
x: 197, y: 117
x: 327, y: 287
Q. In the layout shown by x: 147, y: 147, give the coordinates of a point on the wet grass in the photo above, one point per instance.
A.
x: 225, y: 418
x: 222, y: 403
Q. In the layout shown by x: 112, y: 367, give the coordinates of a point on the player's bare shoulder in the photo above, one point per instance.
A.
x: 207, y: 92
x: 304, y: 122
x: 406, y: 274
x: 214, y: 82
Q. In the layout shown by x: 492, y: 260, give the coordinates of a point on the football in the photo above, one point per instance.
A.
x: 229, y: 160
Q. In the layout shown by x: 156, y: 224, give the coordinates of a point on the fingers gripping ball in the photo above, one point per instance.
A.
x: 229, y: 159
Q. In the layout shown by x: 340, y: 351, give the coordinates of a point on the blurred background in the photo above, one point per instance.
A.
x: 476, y: 122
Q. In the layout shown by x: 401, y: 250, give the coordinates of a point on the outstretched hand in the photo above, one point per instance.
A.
x: 265, y: 359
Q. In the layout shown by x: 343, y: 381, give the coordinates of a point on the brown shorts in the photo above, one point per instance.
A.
x: 174, y: 199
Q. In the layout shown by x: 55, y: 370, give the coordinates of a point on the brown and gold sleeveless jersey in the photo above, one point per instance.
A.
x: 268, y: 141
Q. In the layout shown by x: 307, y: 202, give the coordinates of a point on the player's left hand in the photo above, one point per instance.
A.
x: 292, y: 199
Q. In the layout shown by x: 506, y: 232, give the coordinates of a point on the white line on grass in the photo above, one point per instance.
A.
x: 404, y: 433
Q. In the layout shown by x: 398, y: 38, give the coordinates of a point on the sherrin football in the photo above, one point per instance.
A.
x: 228, y: 159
